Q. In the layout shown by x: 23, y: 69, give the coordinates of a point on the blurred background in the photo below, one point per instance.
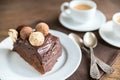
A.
x: 17, y: 12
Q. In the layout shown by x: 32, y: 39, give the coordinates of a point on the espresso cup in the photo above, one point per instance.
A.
x: 116, y: 24
x: 80, y: 11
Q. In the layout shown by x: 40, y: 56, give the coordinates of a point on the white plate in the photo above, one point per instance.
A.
x: 108, y: 35
x: 95, y: 24
x: 13, y: 67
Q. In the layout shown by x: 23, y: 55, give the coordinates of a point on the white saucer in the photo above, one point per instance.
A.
x: 95, y: 24
x: 13, y: 67
x: 108, y: 35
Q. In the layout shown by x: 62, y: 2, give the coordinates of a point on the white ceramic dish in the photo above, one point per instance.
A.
x: 95, y: 24
x: 13, y: 67
x: 107, y: 34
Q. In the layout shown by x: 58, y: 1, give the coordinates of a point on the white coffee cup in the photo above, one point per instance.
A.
x: 116, y: 24
x: 80, y: 15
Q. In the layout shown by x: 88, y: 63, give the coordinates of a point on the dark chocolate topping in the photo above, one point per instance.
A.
x: 41, y: 57
x: 42, y: 51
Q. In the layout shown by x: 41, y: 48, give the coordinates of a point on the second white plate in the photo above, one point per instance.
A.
x: 108, y: 35
x: 95, y: 24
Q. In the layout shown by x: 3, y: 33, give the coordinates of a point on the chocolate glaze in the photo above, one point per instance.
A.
x: 44, y: 57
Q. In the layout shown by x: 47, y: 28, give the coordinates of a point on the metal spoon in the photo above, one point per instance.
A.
x: 90, y: 41
x: 106, y: 68
x: 79, y: 41
x: 93, y: 42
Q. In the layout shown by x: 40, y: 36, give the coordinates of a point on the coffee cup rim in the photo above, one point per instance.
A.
x: 114, y: 18
x: 91, y: 3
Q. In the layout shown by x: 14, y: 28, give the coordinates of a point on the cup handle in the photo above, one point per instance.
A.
x: 65, y: 6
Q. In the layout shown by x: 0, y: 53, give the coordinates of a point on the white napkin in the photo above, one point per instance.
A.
x: 6, y: 43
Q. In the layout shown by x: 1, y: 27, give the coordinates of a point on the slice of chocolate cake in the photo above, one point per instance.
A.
x: 41, y: 55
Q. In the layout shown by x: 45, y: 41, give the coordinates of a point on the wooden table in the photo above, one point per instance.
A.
x: 17, y: 12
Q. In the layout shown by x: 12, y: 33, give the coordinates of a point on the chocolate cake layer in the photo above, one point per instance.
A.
x: 48, y: 66
x: 50, y: 48
x: 44, y: 57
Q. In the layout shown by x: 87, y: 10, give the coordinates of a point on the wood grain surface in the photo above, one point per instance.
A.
x: 17, y: 12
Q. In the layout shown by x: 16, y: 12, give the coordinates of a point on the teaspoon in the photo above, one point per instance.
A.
x: 90, y: 41
x: 78, y: 40
x: 105, y: 67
